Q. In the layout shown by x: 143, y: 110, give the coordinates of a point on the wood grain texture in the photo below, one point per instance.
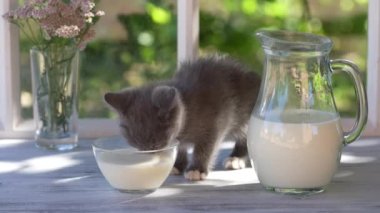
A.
x: 33, y: 180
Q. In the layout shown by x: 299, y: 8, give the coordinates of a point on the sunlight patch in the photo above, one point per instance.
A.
x: 231, y: 178
x: 347, y: 158
x: 228, y: 178
x: 164, y: 192
x: 47, y: 164
x: 343, y: 174
x: 6, y: 167
x: 69, y: 180
x: 366, y: 142
x: 10, y: 143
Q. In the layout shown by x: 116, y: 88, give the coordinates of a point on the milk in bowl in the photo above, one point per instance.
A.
x: 130, y: 170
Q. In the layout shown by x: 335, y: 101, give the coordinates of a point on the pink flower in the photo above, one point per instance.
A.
x: 89, y: 17
x: 38, y: 14
x: 69, y: 19
x: 84, y: 5
x: 36, y: 9
x: 100, y: 13
x: 23, y: 12
x: 67, y: 31
x: 64, y: 15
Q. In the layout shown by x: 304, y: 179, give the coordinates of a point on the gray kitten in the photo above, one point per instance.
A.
x: 207, y: 101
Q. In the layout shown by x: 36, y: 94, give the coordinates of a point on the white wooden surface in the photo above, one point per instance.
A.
x: 12, y: 126
x: 33, y: 180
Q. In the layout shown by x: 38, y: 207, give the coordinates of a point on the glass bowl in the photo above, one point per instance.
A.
x: 130, y: 170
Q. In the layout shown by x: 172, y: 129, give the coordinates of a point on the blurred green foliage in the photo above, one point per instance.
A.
x: 226, y: 26
x: 148, y: 54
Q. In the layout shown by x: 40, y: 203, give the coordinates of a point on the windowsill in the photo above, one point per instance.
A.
x: 90, y: 128
x: 39, y: 180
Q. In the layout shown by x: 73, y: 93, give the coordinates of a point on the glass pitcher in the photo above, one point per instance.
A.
x: 295, y: 137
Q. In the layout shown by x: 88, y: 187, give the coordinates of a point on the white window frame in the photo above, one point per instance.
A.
x: 187, y: 30
x: 9, y: 72
x: 12, y: 126
x: 373, y: 69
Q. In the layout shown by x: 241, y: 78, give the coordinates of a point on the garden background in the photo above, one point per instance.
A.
x: 136, y: 43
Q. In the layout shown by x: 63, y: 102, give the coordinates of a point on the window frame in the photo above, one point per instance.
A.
x: 373, y: 69
x: 9, y: 72
x: 12, y: 126
x: 187, y: 30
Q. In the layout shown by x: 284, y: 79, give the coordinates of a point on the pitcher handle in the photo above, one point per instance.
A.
x: 362, y: 113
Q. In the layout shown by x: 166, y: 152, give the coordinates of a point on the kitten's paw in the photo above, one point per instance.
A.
x: 195, y: 175
x: 175, y: 171
x: 234, y: 163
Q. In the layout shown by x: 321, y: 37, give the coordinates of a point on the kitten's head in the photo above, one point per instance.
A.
x: 150, y: 117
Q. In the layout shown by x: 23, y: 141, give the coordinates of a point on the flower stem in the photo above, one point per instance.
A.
x: 32, y: 33
x: 58, y: 74
x: 29, y: 37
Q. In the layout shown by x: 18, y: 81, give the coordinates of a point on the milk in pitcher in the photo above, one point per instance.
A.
x: 301, y: 150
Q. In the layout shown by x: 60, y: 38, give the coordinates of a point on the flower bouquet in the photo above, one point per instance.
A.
x: 58, y: 29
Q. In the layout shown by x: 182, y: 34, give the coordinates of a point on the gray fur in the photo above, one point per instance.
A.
x: 206, y: 101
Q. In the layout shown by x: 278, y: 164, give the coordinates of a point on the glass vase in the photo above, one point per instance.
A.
x: 55, y: 86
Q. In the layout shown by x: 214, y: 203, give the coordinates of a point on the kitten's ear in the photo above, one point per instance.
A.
x: 165, y: 98
x: 113, y: 99
x: 117, y: 100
